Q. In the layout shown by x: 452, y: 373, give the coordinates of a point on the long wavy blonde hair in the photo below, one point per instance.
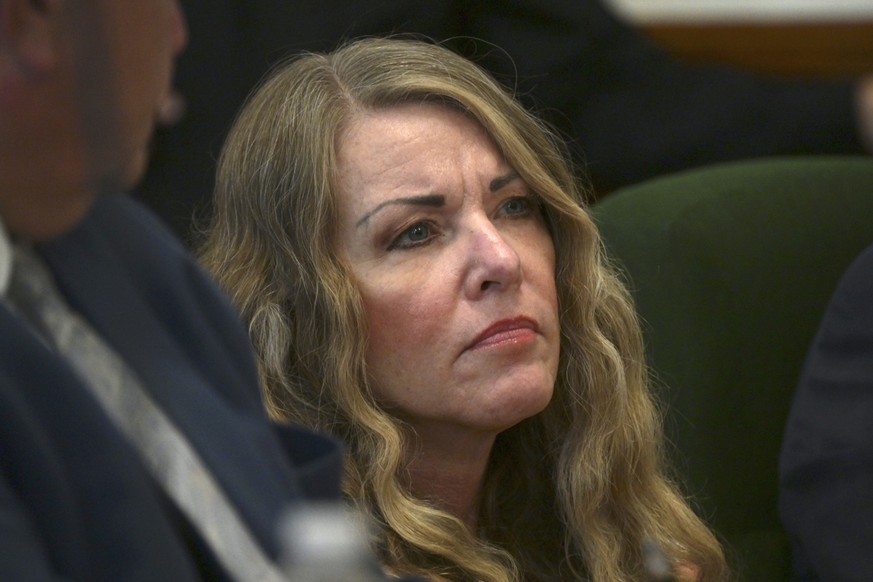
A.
x: 571, y: 493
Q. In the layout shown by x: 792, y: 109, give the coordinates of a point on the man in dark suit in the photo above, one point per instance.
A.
x: 133, y: 443
x: 630, y: 110
x: 826, y: 466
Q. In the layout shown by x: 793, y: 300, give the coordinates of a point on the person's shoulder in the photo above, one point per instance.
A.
x: 129, y: 224
x: 855, y: 288
x: 133, y: 244
x: 861, y: 269
x: 153, y: 257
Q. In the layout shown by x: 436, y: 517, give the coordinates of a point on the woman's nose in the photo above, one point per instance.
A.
x: 493, y: 263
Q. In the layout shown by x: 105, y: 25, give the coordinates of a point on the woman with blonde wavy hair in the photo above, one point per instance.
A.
x: 412, y: 254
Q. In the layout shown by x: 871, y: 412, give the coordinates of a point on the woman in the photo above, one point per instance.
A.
x: 401, y: 237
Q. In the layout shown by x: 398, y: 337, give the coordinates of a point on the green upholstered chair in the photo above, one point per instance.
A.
x: 731, y: 267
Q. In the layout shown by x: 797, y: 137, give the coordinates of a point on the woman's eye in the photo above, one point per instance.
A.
x: 417, y: 234
x: 517, y: 206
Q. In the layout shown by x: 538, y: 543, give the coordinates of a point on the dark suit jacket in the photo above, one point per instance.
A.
x: 75, y: 502
x: 630, y: 110
x: 826, y: 467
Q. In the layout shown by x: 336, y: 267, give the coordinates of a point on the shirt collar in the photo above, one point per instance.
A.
x: 5, y: 260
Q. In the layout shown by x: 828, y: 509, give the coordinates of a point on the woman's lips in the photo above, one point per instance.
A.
x: 512, y: 331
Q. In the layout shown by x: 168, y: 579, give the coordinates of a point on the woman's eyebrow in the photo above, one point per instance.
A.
x: 501, y: 181
x: 432, y: 200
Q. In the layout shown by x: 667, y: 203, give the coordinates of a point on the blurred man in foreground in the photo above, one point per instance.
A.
x: 133, y: 445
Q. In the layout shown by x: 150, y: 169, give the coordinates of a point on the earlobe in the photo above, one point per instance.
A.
x: 29, y: 34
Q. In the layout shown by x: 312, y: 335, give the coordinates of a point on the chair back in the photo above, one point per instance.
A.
x: 731, y: 267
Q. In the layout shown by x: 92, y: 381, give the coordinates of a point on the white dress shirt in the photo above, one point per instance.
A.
x: 5, y: 260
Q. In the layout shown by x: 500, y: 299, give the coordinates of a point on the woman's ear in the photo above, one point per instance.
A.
x: 29, y: 34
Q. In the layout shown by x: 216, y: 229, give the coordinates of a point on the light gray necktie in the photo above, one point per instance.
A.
x: 166, y: 452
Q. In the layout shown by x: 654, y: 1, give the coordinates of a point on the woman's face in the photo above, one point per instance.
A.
x: 456, y: 269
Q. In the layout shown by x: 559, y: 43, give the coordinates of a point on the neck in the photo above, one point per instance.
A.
x: 43, y: 189
x: 32, y: 213
x: 449, y: 472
